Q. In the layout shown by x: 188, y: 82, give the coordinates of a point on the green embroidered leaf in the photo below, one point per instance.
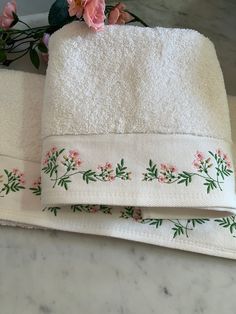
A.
x: 185, y: 177
x: 53, y: 210
x: 76, y: 208
x: 6, y: 172
x: 152, y: 172
x: 178, y: 230
x: 210, y: 184
x: 199, y: 221
x: 37, y: 190
x: 105, y: 209
x: 153, y: 222
x: 227, y: 222
x: 89, y: 175
x: 63, y: 182
x: 127, y: 212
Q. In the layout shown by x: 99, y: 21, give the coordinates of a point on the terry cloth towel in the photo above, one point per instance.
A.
x: 137, y: 116
x: 21, y: 206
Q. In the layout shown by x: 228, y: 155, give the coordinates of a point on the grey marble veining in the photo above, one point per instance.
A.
x: 56, y: 272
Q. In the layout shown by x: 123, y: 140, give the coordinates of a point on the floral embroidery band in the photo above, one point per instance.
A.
x: 71, y: 163
x: 211, y: 168
x: 217, y: 161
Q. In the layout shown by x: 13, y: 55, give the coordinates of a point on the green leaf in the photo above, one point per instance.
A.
x: 58, y: 14
x: 3, y: 55
x: 34, y: 57
x: 42, y: 47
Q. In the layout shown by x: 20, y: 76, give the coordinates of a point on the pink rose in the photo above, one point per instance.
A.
x: 76, y: 7
x: 118, y: 15
x: 93, y: 14
x: 7, y: 18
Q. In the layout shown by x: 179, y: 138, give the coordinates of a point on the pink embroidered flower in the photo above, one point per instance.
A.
x: 164, y: 167
x: 15, y: 171
x: 78, y: 162
x: 219, y: 152
x: 118, y: 15
x: 22, y: 181
x: 137, y: 214
x: 108, y: 165
x: 45, y: 161
x: 93, y: 209
x: 161, y: 179
x: 53, y: 149
x: 111, y: 178
x: 94, y: 14
x: 199, y: 156
x: 225, y: 157
x: 196, y: 164
x: 228, y: 164
x: 37, y: 182
x: 7, y: 18
x: 172, y: 169
x: 74, y: 154
x: 76, y: 7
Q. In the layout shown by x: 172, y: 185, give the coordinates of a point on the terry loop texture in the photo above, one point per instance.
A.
x: 130, y: 79
x: 20, y: 109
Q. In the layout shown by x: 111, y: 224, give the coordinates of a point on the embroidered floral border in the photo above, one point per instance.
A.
x: 211, y: 168
x: 14, y: 181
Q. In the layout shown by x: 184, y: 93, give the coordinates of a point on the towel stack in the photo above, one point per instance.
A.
x: 135, y: 120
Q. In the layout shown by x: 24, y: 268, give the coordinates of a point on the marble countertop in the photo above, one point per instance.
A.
x: 56, y: 272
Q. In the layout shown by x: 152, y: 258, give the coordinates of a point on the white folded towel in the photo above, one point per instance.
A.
x: 23, y: 207
x: 137, y: 117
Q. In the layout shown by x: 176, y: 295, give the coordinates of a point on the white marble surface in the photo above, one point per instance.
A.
x: 55, y: 272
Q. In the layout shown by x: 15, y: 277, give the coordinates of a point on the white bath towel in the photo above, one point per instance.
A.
x: 137, y: 117
x: 23, y: 207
